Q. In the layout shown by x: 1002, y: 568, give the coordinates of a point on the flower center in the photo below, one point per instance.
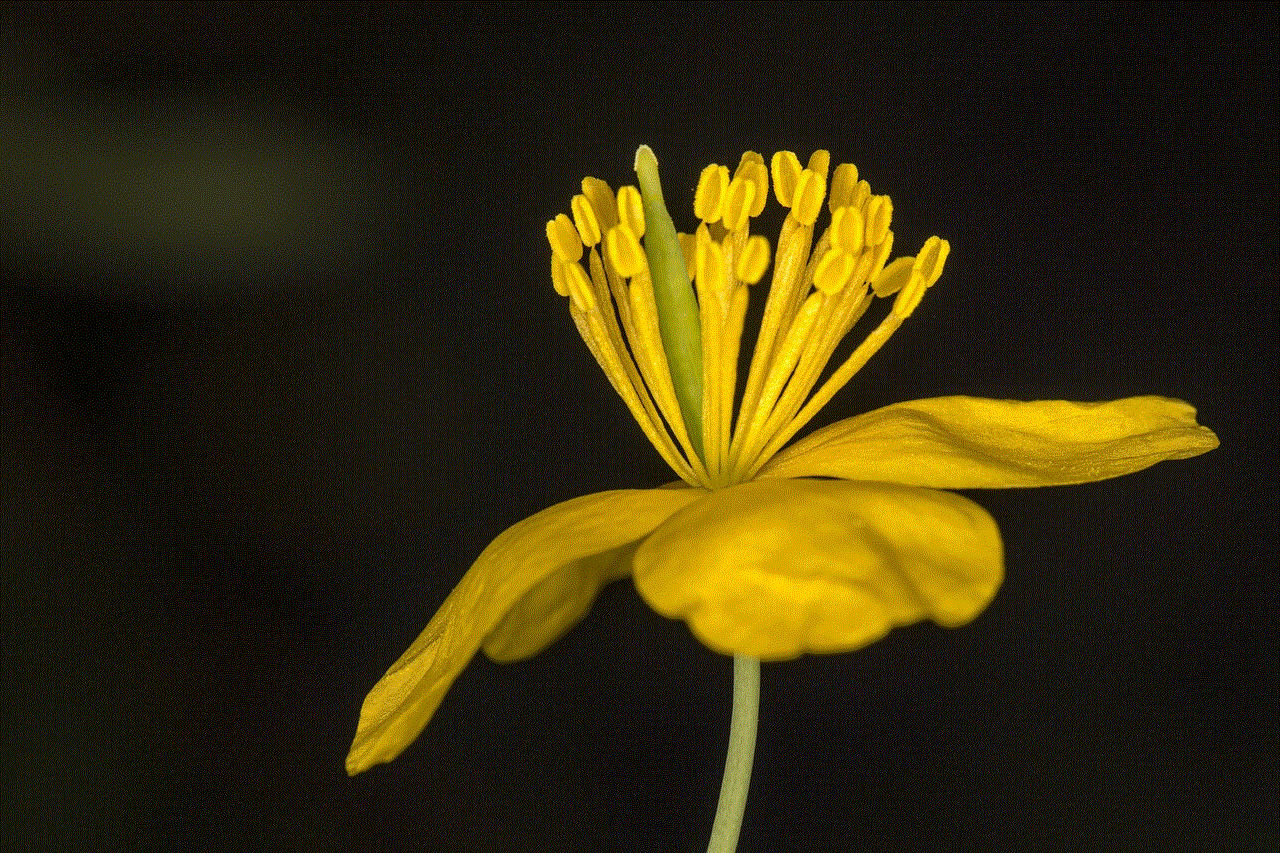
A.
x: 674, y: 359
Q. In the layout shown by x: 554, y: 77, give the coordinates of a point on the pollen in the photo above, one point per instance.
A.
x: 826, y: 276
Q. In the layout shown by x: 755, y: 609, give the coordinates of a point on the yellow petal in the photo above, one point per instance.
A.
x: 972, y: 443
x: 595, y: 530
x: 553, y: 606
x: 775, y: 568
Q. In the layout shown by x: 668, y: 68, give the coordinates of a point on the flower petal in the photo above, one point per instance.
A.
x: 775, y: 568
x: 547, y: 611
x: 972, y: 443
x: 595, y: 529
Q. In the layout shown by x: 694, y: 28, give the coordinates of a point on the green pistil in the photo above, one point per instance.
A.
x: 673, y: 293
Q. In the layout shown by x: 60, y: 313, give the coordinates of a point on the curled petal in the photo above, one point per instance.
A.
x: 973, y: 443
x: 547, y: 611
x: 775, y: 568
x: 585, y: 538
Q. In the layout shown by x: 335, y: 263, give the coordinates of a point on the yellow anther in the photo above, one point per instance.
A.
x: 786, y: 171
x: 877, y: 213
x: 631, y: 210
x: 753, y: 169
x: 708, y: 198
x: 564, y: 239
x: 579, y: 287
x: 738, y: 202
x: 881, y: 256
x: 820, y: 162
x: 689, y: 248
x: 702, y: 235
x: 710, y: 272
x: 602, y: 202
x: 843, y: 184
x: 833, y: 271
x: 894, y: 277
x: 753, y: 260
x: 585, y: 220
x: 558, y: 276
x: 933, y: 254
x: 909, y: 297
x: 846, y: 229
x: 614, y: 303
x: 623, y: 248
x: 861, y: 193
x: 811, y: 188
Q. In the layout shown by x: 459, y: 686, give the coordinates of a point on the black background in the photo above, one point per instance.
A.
x: 282, y: 356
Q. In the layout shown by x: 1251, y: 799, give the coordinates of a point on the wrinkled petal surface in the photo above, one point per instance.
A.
x: 595, y: 530
x: 775, y: 568
x: 974, y: 443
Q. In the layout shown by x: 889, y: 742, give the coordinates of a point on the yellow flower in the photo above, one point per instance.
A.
x: 757, y: 550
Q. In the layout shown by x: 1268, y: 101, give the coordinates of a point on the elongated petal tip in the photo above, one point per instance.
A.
x: 975, y: 443
x: 529, y: 586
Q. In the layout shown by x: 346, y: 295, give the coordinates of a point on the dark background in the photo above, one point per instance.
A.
x: 282, y: 356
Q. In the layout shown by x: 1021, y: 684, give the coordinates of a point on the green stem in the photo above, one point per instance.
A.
x: 737, y: 764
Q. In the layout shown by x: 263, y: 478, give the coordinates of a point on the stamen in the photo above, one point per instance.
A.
x: 788, y: 267
x: 709, y: 266
x: 597, y: 192
x: 584, y: 218
x: 806, y: 205
x: 802, y: 191
x: 752, y: 168
x: 650, y: 354
x: 753, y: 260
x: 609, y: 284
x: 907, y: 300
x: 893, y: 277
x: 833, y: 271
x: 779, y: 371
x: 811, y: 189
x: 631, y: 209
x: 557, y: 275
x: 877, y: 213
x: 838, y: 317
x: 819, y: 163
x: 740, y: 197
x: 861, y: 192
x: 671, y: 349
x: 846, y: 229
x: 564, y: 239
x: 932, y: 257
x: 785, y: 168
x: 624, y: 250
x: 579, y: 287
x: 708, y: 198
x: 843, y: 184
x: 689, y: 249
x: 712, y: 286
x: 882, y: 255
x: 599, y: 329
x: 592, y: 332
x: 924, y: 272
